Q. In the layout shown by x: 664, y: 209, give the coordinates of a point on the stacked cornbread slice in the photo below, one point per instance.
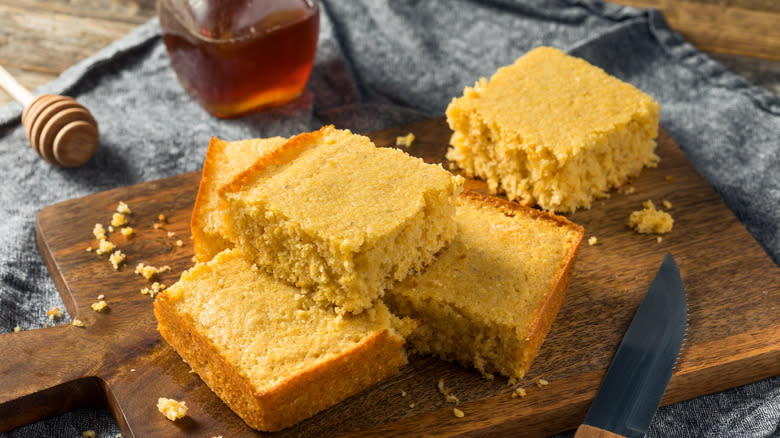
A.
x: 490, y: 298
x: 331, y: 213
x: 552, y: 130
x: 268, y: 351
x: 278, y: 341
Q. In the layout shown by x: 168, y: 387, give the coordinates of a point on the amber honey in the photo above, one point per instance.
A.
x: 239, y: 56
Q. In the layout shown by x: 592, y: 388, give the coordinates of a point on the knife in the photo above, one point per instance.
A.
x: 638, y: 375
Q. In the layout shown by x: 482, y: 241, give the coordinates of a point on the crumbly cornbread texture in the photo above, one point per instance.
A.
x: 172, y: 409
x: 490, y: 298
x: 650, y: 220
x: 269, y: 352
x: 332, y: 213
x: 224, y: 160
x: 552, y: 130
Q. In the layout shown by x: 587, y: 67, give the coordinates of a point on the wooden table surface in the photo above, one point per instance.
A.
x: 39, y: 39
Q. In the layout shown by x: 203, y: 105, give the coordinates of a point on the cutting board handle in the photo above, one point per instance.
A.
x: 39, y: 382
x: 587, y: 431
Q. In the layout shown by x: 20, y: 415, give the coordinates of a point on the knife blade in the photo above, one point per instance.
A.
x: 640, y: 371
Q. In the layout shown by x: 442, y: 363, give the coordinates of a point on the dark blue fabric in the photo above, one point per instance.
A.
x: 380, y: 64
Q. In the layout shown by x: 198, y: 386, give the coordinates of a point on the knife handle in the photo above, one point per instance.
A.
x: 587, y: 431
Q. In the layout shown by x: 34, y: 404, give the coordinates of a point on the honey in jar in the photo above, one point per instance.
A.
x: 239, y: 56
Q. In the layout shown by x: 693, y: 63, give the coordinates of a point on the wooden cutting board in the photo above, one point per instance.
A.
x: 119, y: 359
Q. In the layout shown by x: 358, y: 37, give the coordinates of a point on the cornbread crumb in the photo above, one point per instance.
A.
x: 77, y: 323
x: 667, y: 205
x: 150, y: 272
x: 132, y: 370
x: 123, y: 208
x: 157, y: 226
x: 161, y: 217
x: 669, y: 178
x: 592, y: 240
x: 117, y: 258
x: 411, y: 405
x: 89, y: 249
x: 659, y: 239
x: 171, y: 234
x: 512, y: 381
x: 17, y: 329
x: 405, y: 141
x: 119, y: 435
x: 54, y: 313
x: 519, y: 392
x: 99, y: 306
x: 105, y: 247
x: 118, y: 219
x: 88, y: 434
x: 403, y: 393
x: 449, y: 398
x: 542, y: 382
x: 457, y: 412
x: 127, y: 232
x: 179, y: 243
x: 110, y: 229
x: 172, y: 409
x: 153, y: 290
x: 101, y: 296
x: 99, y: 232
x: 629, y: 190
x: 650, y: 220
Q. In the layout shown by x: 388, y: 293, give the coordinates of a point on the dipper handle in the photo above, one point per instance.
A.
x: 14, y: 88
x: 59, y: 129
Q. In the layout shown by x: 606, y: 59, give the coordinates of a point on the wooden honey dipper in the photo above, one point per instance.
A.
x: 59, y: 129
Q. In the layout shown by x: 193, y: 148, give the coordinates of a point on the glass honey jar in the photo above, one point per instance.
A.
x: 239, y: 56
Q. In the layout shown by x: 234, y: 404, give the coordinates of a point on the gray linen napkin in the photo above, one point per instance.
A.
x: 380, y: 64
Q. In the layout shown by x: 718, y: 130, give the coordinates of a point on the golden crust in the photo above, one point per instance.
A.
x: 282, y: 155
x: 512, y: 208
x: 223, y: 159
x: 293, y: 399
x: 196, y: 225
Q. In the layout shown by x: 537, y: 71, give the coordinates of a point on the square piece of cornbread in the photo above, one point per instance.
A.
x: 224, y: 160
x: 268, y: 351
x: 553, y: 130
x: 489, y: 299
x: 333, y: 214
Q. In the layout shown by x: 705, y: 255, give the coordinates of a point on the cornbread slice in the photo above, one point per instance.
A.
x: 490, y: 298
x: 552, y: 130
x: 224, y: 160
x: 332, y: 213
x: 270, y: 353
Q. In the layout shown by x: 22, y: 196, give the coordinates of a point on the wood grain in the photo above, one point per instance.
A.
x: 119, y: 359
x: 76, y: 29
x: 739, y: 27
